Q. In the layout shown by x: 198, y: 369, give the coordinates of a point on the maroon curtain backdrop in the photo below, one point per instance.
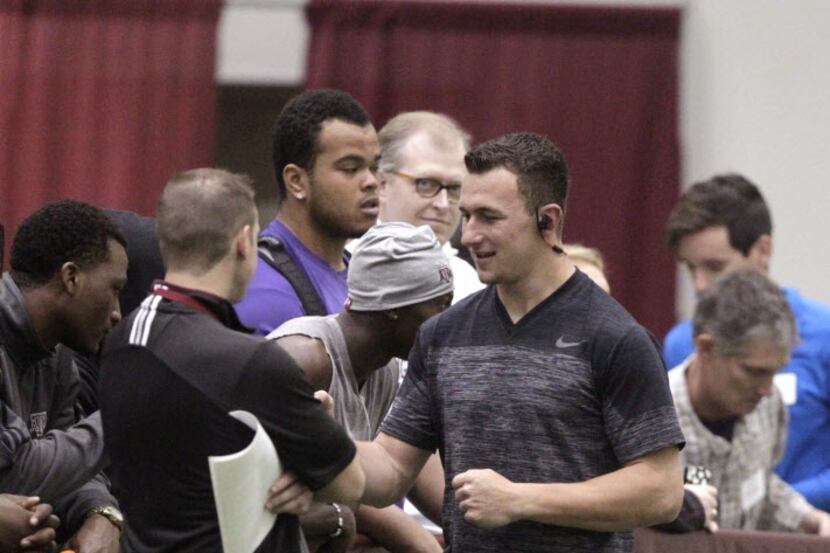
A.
x: 601, y: 82
x: 101, y: 100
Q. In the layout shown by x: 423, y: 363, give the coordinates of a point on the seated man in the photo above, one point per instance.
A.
x: 67, y: 266
x: 173, y: 369
x: 398, y: 277
x: 722, y: 224
x: 731, y: 413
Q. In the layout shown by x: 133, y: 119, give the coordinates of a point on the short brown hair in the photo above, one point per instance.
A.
x: 199, y: 213
x: 728, y: 200
x: 540, y: 168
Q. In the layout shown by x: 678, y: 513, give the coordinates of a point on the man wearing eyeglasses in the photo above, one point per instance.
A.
x: 421, y: 167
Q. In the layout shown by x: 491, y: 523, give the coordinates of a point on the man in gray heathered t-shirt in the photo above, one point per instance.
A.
x: 547, y: 401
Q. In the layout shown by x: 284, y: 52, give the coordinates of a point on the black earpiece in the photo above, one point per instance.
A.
x: 543, y: 222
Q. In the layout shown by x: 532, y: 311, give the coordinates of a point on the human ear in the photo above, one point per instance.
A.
x: 760, y: 253
x: 548, y: 222
x: 245, y: 241
x: 69, y: 275
x: 296, y: 181
x: 704, y: 344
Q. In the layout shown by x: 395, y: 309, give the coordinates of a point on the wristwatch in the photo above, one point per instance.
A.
x: 111, y: 513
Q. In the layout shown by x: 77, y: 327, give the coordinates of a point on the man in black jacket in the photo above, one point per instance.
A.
x: 68, y: 264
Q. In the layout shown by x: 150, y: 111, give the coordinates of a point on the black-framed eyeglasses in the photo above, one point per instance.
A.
x: 428, y: 187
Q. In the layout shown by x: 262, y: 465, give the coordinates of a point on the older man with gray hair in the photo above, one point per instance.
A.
x: 733, y: 416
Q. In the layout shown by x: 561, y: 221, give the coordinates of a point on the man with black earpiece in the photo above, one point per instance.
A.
x: 548, y: 400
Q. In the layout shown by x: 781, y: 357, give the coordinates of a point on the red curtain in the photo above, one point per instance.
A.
x: 600, y: 82
x: 102, y: 100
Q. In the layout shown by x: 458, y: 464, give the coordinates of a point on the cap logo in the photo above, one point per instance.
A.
x: 445, y: 274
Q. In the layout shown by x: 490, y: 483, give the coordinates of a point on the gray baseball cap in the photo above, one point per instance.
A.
x: 397, y: 264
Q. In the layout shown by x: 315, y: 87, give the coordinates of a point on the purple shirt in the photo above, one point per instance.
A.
x: 271, y: 300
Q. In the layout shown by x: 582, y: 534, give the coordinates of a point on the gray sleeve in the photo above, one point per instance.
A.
x: 411, y: 417
x: 73, y: 508
x: 637, y: 405
x: 785, y: 508
x: 51, y: 466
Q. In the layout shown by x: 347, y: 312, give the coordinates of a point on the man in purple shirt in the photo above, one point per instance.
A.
x: 325, y: 158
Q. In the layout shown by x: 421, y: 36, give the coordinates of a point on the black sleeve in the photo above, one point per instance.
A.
x: 308, y: 441
x: 74, y: 507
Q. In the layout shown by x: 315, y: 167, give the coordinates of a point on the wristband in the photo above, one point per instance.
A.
x: 339, y: 530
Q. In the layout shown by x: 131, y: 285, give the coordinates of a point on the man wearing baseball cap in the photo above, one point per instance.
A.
x: 398, y: 277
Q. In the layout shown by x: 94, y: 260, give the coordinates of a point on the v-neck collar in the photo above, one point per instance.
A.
x: 510, y: 328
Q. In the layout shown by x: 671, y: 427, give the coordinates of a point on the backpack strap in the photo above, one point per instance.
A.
x: 272, y: 251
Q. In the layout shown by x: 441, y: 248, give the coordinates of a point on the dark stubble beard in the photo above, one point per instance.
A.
x: 331, y: 226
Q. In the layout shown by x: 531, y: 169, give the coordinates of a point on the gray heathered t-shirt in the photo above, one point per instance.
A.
x: 574, y: 390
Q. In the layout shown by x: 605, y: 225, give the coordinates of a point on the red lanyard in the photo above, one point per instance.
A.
x: 174, y: 295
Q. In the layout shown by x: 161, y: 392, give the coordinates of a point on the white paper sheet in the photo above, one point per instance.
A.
x: 240, y: 489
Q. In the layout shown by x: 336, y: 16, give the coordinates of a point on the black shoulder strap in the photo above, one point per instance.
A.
x: 272, y: 251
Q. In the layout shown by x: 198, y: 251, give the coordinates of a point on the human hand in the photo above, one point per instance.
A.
x: 289, y: 495
x: 816, y: 522
x: 485, y: 497
x: 823, y: 524
x: 708, y: 497
x: 96, y: 535
x: 328, y: 402
x: 26, y: 524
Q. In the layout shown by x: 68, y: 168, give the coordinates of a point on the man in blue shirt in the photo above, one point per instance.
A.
x: 721, y: 225
x: 325, y: 153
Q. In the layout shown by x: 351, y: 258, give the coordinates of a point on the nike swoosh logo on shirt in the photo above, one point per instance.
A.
x: 562, y: 343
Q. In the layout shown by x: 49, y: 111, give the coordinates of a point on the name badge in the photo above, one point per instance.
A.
x: 753, y: 490
x: 787, y: 384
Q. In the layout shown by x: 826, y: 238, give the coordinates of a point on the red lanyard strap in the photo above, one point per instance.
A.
x: 174, y: 295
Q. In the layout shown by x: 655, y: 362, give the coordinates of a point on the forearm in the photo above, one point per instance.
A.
x: 428, y: 491
x: 691, y: 518
x: 56, y: 464
x: 346, y: 487
x: 74, y: 507
x: 387, y: 478
x: 640, y: 494
x: 394, y: 530
x: 321, y: 519
x: 785, y: 509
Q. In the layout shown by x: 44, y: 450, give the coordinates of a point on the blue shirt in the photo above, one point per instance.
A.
x: 806, y: 461
x: 271, y: 300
